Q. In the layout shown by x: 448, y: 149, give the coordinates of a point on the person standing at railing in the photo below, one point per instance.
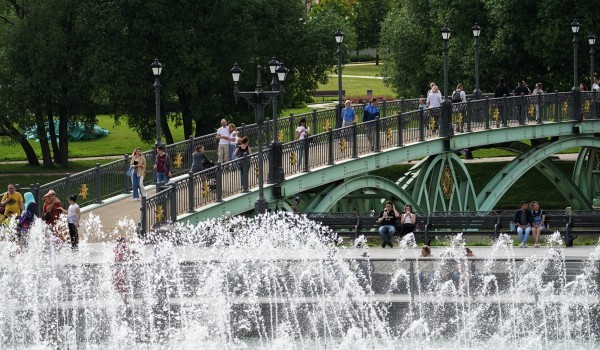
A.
x: 242, y: 151
x: 387, y: 219
x: 302, y: 132
x: 73, y: 215
x: 233, y: 140
x: 199, y: 159
x: 52, y: 208
x: 12, y: 202
x: 370, y: 113
x: 538, y: 91
x: 162, y: 165
x: 224, y: 137
x: 348, y: 114
x: 138, y: 171
x: 434, y: 100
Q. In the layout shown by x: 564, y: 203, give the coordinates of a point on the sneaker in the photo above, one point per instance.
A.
x: 391, y: 245
x: 524, y: 245
x: 136, y: 199
x: 537, y: 245
x: 383, y: 245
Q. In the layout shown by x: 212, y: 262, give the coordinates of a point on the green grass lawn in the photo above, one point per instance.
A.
x: 360, y: 69
x: 357, y: 87
x: 121, y: 140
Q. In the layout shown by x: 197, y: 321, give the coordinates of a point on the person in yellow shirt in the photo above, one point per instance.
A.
x: 12, y: 201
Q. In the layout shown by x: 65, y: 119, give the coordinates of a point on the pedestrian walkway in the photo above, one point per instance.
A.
x: 356, y: 76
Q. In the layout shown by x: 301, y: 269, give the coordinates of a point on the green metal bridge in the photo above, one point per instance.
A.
x: 329, y: 171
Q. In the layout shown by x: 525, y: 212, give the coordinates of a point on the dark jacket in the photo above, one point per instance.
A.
x: 501, y: 90
x: 528, y: 216
x: 521, y: 90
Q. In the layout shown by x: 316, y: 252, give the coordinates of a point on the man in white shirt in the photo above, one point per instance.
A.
x: 223, y: 137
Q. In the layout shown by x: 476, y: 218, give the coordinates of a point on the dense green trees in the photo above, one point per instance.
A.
x: 67, y: 59
x: 521, y: 40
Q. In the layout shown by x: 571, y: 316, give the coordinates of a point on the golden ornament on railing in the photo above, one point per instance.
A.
x: 293, y: 159
x: 83, y: 191
x: 586, y: 106
x: 205, y: 189
x: 388, y: 135
x: 565, y: 106
x: 531, y: 110
x: 356, y: 119
x: 280, y: 136
x: 447, y: 182
x: 343, y: 145
x: 160, y: 213
x: 326, y: 125
x: 459, y: 118
x: 178, y: 161
x: 432, y: 123
x: 496, y: 114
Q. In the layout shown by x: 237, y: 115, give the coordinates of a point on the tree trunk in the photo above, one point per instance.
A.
x: 16, y: 135
x: 166, y: 131
x: 52, y: 131
x: 63, y: 137
x: 41, y: 131
x: 198, y: 126
x: 377, y: 58
x: 186, y: 113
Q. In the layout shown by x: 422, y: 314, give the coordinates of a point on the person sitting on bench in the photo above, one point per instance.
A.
x: 408, y: 220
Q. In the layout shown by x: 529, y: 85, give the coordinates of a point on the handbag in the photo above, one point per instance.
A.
x: 128, y: 172
x: 513, y: 226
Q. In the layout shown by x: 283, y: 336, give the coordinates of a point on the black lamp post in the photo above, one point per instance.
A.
x: 276, y: 174
x: 339, y: 39
x: 258, y: 99
x: 446, y: 129
x: 476, y: 32
x: 156, y: 70
x: 592, y: 41
x: 576, y: 93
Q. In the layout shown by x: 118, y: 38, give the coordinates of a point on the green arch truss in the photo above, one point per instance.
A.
x: 337, y: 193
x: 440, y: 183
x: 586, y: 174
x: 537, y: 156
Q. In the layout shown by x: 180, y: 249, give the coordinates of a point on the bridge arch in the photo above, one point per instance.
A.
x: 504, y: 179
x: 359, y: 183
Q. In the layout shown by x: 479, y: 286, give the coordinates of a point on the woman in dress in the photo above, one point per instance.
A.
x: 302, y: 132
x: 539, y: 217
x: 242, y: 151
x: 138, y: 171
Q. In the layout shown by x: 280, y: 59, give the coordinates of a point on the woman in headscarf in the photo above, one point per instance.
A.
x: 27, y: 217
x: 52, y: 208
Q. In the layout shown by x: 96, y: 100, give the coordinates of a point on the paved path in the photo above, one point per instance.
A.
x: 356, y: 76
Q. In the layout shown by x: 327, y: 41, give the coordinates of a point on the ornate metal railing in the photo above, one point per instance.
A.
x: 389, y: 131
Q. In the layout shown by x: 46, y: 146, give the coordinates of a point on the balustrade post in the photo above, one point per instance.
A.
x: 557, y: 115
x: 330, y: 148
x: 469, y: 111
x: 268, y: 131
x: 314, y: 121
x: 400, y: 126
x: 522, y: 110
x: 306, y: 153
x: 173, y: 201
x: 384, y: 108
x: 143, y: 227
x: 67, y: 187
x: 541, y: 109
x: 421, y: 125
x: 354, y: 141
x: 377, y: 134
x: 219, y: 183
x: 292, y: 127
x: 402, y: 104
x: 191, y: 192
x: 486, y: 112
x: 35, y: 190
x: 126, y: 179
x: 190, y: 148
x: 594, y: 106
x: 98, y: 184
x: 154, y: 180
x: 504, y: 109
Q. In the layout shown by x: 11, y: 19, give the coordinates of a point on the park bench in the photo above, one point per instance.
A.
x: 556, y: 220
x: 467, y: 222
x: 327, y: 93
x: 582, y: 222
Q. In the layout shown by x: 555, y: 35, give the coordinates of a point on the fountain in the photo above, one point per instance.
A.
x: 281, y: 281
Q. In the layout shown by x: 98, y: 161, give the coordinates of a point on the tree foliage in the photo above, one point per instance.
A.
x: 521, y: 40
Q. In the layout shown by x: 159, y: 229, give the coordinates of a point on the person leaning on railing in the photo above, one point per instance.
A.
x: 199, y: 160
x: 137, y: 172
x: 242, y: 151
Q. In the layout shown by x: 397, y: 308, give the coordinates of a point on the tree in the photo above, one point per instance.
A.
x: 368, y: 16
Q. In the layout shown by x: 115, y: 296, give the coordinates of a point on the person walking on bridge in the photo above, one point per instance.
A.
x: 138, y: 171
x: 163, y: 165
x: 370, y: 113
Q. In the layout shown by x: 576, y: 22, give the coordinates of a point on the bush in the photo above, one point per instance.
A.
x: 362, y: 99
x: 362, y: 58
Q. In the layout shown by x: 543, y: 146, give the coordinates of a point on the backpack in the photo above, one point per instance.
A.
x: 456, y: 97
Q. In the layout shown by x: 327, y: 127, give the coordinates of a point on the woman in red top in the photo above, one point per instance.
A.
x: 52, y: 208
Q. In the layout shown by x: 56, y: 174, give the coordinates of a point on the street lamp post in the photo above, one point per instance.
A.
x: 276, y: 174
x: 446, y: 129
x: 339, y: 39
x: 258, y: 99
x: 476, y: 32
x: 592, y: 41
x: 576, y: 93
x: 156, y: 70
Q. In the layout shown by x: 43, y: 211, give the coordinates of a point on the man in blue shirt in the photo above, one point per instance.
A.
x: 371, y: 112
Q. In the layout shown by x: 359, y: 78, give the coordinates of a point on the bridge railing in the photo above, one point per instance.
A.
x: 387, y: 132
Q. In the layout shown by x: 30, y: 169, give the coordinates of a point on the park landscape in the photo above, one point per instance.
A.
x: 224, y: 274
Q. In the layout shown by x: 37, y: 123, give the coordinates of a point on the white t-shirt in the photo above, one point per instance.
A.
x: 224, y: 132
x: 72, y: 213
x: 434, y: 99
x: 302, y: 130
x: 233, y: 136
x: 595, y: 87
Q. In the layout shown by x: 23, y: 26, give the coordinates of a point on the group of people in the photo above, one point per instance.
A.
x: 529, y: 221
x: 390, y: 218
x: 24, y: 209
